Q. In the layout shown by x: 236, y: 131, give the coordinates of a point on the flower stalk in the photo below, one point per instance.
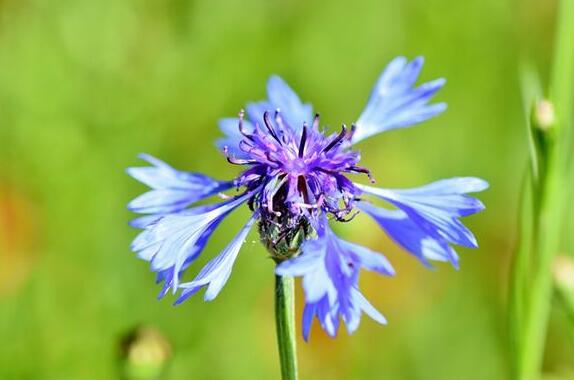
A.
x: 285, y: 324
x: 547, y: 211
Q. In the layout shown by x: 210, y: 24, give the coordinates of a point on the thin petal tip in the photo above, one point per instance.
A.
x: 146, y: 157
x: 419, y: 59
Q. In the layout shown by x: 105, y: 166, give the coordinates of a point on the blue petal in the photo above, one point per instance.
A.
x: 230, y: 127
x: 168, y: 275
x: 176, y: 239
x: 308, y: 314
x: 330, y: 268
x: 369, y: 259
x: 436, y: 207
x: 366, y: 306
x: 395, y: 103
x: 144, y: 221
x: 172, y: 190
x: 216, y: 272
x: 311, y: 266
x: 164, y: 201
x: 455, y: 185
x: 302, y: 264
x: 410, y: 236
x: 256, y: 110
x: 328, y: 316
x: 282, y: 97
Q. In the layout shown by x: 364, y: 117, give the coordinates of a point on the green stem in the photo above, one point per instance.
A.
x: 519, y: 275
x: 548, y: 198
x: 545, y: 246
x: 285, y: 323
x: 521, y: 263
x: 562, y: 75
x: 562, y: 83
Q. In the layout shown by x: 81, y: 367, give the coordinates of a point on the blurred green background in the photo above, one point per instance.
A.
x: 85, y: 85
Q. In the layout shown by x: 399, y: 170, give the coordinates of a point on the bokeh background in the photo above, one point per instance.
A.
x: 86, y: 85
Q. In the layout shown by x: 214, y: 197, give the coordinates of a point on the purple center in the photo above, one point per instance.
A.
x: 300, y: 170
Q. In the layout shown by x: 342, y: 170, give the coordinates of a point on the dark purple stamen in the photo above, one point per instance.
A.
x: 302, y: 187
x: 269, y: 126
x: 239, y: 161
x: 281, y: 124
x: 241, y: 126
x: 360, y: 169
x: 236, y: 161
x: 271, y: 159
x: 352, y: 131
x: 303, y: 140
x: 346, y: 219
x: 337, y: 139
x: 316, y: 122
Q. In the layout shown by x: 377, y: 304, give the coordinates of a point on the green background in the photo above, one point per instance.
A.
x: 86, y: 85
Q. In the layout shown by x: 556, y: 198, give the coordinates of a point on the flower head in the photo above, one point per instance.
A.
x: 295, y: 179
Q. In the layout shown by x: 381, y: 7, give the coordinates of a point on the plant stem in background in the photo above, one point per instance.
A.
x: 520, y: 267
x: 285, y: 324
x: 532, y: 282
x: 562, y: 75
x: 547, y: 210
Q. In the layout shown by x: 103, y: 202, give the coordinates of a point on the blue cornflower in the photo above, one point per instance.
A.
x: 295, y: 181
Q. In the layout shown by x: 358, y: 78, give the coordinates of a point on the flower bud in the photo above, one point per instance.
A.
x: 563, y: 272
x: 283, y: 242
x: 145, y: 352
x: 543, y: 115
